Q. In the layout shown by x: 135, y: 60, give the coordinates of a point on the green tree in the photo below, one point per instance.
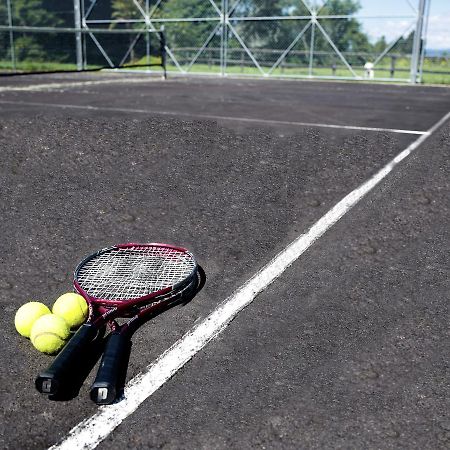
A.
x: 186, y: 38
x: 405, y: 45
x: 29, y: 46
x: 186, y: 34
x: 178, y: 35
x: 261, y: 34
x: 127, y: 10
x: 380, y: 45
x: 32, y: 13
x: 346, y: 34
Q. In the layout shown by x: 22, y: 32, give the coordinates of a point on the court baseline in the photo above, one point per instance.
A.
x: 215, y: 117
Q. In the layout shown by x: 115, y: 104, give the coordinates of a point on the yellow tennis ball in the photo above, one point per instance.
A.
x: 49, y: 333
x: 27, y: 314
x: 72, y: 308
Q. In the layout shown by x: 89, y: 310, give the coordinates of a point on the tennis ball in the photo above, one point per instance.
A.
x: 49, y: 333
x: 27, y: 314
x: 72, y: 308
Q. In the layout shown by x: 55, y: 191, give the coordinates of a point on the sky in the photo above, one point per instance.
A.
x: 438, y: 36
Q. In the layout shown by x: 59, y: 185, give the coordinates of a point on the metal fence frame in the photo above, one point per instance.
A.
x: 225, y: 19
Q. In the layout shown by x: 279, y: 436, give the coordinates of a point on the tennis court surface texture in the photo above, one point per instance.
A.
x: 344, y: 346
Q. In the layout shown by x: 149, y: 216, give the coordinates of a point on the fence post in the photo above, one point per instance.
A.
x: 78, y: 43
x: 417, y: 43
x: 312, y: 45
x: 147, y: 35
x: 11, y: 35
x: 393, y: 60
x: 223, y: 37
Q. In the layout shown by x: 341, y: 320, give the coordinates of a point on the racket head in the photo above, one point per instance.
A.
x: 131, y: 274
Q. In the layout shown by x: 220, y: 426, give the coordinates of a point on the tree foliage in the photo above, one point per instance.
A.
x: 347, y: 34
x: 33, y: 13
x: 186, y: 34
x: 126, y: 9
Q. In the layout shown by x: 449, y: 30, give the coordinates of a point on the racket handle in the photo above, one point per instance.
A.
x: 105, y: 387
x: 51, y: 380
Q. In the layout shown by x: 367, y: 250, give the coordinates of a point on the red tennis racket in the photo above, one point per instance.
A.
x: 131, y: 281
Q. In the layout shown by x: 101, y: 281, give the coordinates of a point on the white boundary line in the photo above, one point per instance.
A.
x: 70, y: 84
x: 91, y: 431
x: 213, y: 117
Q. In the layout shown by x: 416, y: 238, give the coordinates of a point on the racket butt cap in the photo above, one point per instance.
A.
x: 103, y: 393
x: 46, y: 384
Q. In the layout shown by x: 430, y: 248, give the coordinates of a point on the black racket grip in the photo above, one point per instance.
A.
x: 51, y: 380
x: 104, y: 390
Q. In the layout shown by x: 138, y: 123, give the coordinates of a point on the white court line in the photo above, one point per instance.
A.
x: 69, y: 84
x: 91, y: 431
x: 212, y: 117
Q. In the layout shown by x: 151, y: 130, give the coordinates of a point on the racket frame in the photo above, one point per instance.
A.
x: 105, y: 388
x: 103, y: 311
x: 132, y: 301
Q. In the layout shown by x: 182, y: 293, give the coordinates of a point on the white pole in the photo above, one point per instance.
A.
x: 147, y: 35
x: 78, y: 43
x: 417, y: 44
x: 11, y: 35
x: 311, y: 46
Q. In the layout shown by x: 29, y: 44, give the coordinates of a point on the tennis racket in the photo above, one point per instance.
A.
x: 133, y: 281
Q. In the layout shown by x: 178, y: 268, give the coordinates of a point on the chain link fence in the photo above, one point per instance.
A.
x: 52, y: 36
x: 335, y: 39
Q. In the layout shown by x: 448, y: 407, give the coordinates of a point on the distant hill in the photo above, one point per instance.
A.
x: 437, y: 52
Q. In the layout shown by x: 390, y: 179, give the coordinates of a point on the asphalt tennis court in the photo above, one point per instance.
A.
x: 347, y: 348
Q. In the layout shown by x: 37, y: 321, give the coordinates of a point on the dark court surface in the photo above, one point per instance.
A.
x: 385, y: 106
x: 348, y: 348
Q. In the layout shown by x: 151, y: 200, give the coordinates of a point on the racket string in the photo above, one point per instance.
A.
x: 125, y: 273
